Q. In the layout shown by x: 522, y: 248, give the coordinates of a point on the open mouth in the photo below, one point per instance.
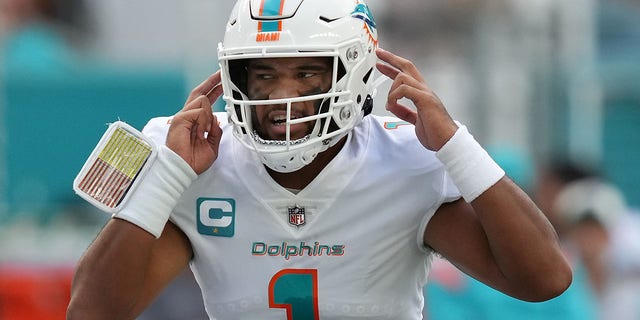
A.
x: 279, y: 117
x: 274, y: 126
x: 281, y: 120
x: 260, y: 140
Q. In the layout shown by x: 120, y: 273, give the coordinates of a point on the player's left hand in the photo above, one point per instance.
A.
x: 434, y: 125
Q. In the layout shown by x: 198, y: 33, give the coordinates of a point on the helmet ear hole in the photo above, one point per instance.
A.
x: 366, y: 77
x: 367, y: 106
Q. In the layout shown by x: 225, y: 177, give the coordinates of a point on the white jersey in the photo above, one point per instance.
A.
x: 348, y: 246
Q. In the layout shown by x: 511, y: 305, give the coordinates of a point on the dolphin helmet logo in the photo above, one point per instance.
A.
x: 363, y: 13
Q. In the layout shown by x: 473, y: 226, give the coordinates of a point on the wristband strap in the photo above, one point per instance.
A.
x: 471, y: 168
x: 151, y: 203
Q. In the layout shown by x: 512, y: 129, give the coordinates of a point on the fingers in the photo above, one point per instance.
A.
x: 407, y: 83
x: 402, y: 83
x: 401, y: 64
x: 211, y: 88
x: 197, y: 114
x: 400, y: 70
x: 403, y: 112
x: 387, y: 70
x: 404, y: 86
x: 196, y: 117
x: 203, y: 118
x: 214, y: 134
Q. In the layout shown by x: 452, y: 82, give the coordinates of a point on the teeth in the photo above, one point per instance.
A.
x: 258, y: 139
x: 282, y: 118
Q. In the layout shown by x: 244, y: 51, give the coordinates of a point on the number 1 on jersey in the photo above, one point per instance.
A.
x: 296, y: 291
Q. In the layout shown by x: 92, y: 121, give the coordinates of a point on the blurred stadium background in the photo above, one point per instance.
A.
x: 545, y: 79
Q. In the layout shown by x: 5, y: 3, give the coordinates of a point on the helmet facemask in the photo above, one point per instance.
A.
x: 289, y: 153
x: 349, y: 45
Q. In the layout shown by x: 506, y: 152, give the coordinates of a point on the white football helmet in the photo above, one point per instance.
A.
x: 340, y: 29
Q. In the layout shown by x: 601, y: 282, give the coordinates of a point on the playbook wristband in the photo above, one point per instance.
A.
x: 151, y: 203
x: 471, y: 168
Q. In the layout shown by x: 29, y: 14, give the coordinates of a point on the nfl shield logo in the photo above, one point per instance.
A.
x: 296, y: 216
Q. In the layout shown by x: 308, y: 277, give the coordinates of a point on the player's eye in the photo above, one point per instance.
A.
x: 264, y: 76
x: 306, y: 74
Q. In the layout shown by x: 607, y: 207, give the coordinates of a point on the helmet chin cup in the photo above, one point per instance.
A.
x: 287, y: 162
x: 342, y: 30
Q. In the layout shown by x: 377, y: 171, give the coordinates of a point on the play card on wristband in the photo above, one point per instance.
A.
x: 115, y: 167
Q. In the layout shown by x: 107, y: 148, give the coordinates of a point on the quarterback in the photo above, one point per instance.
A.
x: 297, y: 203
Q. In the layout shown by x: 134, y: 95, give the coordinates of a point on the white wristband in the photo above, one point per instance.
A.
x: 471, y: 168
x: 151, y: 203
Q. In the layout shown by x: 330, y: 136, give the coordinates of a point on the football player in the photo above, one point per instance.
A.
x: 297, y: 203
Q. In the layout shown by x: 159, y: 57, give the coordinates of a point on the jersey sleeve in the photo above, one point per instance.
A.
x: 398, y: 137
x: 156, y: 129
x: 450, y: 192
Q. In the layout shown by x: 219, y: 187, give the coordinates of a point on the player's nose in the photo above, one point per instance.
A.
x: 285, y: 88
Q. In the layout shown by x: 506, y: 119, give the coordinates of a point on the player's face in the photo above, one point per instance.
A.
x: 278, y: 78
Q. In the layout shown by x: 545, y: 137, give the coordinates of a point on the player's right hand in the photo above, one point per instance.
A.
x: 194, y: 133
